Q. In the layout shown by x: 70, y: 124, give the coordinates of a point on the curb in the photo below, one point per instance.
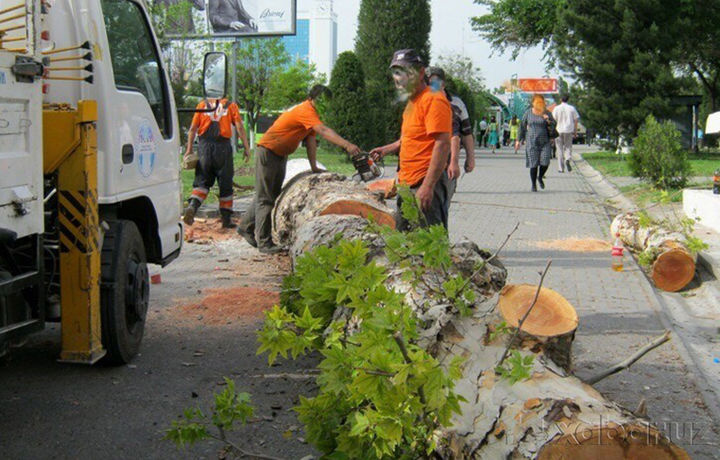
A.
x: 709, y: 395
x: 708, y: 260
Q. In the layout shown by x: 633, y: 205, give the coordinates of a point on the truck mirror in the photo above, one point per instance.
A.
x: 215, y: 75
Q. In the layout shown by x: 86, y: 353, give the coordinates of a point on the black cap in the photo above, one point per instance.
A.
x: 436, y: 72
x: 406, y: 58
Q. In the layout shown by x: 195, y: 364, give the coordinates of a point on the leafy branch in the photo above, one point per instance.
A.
x: 229, y: 407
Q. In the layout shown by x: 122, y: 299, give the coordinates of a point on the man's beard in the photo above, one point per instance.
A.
x: 402, y: 95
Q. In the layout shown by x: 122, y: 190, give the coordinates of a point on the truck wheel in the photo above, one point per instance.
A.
x: 124, y: 293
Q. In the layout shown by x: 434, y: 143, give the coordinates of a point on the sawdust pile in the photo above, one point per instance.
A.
x: 227, y: 306
x: 576, y: 245
x: 206, y: 231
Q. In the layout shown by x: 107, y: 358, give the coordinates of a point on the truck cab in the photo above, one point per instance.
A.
x: 90, y: 189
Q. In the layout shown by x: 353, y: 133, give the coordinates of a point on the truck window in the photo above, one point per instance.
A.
x: 135, y: 60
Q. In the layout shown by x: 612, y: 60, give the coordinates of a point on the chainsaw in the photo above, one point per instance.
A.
x: 366, y: 168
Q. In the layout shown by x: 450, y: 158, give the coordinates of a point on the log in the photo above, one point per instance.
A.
x: 311, y: 195
x: 673, y: 264
x: 552, y: 414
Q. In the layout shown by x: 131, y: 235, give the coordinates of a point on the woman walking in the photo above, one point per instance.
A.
x: 493, y: 136
x: 514, y: 124
x: 536, y: 124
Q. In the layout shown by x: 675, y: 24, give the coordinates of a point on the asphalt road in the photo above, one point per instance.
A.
x: 53, y: 410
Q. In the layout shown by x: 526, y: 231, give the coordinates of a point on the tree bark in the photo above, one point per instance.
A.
x: 673, y: 263
x: 312, y: 195
x: 551, y: 414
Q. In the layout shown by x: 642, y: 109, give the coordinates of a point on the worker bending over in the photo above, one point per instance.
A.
x: 300, y: 123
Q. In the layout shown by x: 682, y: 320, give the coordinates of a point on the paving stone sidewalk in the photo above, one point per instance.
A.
x: 618, y: 312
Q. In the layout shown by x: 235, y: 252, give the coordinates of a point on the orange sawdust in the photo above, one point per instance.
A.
x: 576, y: 245
x: 206, y: 231
x: 231, y: 305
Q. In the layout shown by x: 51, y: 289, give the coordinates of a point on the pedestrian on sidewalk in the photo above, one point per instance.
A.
x: 514, y: 125
x: 535, y: 128
x: 215, y: 156
x: 493, y: 134
x: 505, y: 133
x: 424, y: 145
x: 567, y: 119
x: 300, y: 123
x: 483, y: 132
x: 461, y: 131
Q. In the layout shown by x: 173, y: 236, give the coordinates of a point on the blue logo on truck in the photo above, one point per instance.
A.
x: 146, y: 148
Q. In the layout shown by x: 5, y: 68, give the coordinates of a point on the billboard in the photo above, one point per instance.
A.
x: 538, y: 85
x: 228, y: 18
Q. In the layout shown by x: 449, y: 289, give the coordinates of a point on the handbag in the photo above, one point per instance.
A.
x: 552, y: 131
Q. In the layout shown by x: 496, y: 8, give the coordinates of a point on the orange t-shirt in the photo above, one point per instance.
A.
x: 291, y: 128
x: 428, y: 114
x: 225, y: 115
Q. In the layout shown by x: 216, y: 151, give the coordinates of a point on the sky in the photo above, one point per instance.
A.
x: 452, y: 34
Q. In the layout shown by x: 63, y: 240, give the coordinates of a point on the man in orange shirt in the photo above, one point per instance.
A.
x: 215, y: 156
x: 300, y: 123
x: 424, y: 144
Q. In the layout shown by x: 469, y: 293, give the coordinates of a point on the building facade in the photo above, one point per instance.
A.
x: 316, y: 38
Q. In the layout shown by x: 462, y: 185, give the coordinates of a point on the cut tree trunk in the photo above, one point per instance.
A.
x: 550, y: 415
x: 673, y: 264
x: 307, y: 196
x: 548, y: 330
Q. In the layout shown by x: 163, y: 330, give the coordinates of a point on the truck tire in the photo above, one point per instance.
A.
x: 124, y: 293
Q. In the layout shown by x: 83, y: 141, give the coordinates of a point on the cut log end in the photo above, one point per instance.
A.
x: 552, y: 315
x: 356, y: 208
x: 673, y: 270
x: 610, y: 442
x: 386, y: 186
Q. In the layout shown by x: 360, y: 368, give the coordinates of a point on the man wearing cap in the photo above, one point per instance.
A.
x: 424, y: 144
x: 461, y: 131
x: 299, y: 124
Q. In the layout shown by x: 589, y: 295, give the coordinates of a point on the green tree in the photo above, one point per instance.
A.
x: 259, y: 61
x: 658, y: 157
x: 621, y: 51
x: 462, y: 90
x: 461, y: 68
x: 347, y: 111
x: 385, y: 26
x: 290, y: 85
x: 517, y: 24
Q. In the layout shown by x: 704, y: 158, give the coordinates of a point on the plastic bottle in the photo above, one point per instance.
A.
x: 617, y: 254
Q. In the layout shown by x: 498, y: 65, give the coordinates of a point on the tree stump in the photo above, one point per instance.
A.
x: 673, y: 264
x: 548, y: 330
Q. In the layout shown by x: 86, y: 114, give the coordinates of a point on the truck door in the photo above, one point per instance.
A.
x: 141, y: 143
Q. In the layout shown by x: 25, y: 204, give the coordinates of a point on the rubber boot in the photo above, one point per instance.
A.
x: 226, y: 218
x: 189, y: 214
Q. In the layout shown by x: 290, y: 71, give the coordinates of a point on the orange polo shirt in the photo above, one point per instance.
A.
x: 291, y: 128
x: 426, y: 115
x: 225, y: 115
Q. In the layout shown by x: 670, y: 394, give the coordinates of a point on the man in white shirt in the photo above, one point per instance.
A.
x: 483, y: 132
x: 567, y: 122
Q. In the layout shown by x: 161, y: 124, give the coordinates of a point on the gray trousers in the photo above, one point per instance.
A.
x: 269, y: 176
x: 564, y: 149
x: 437, y: 214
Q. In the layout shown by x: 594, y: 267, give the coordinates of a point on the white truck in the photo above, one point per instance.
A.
x: 90, y: 191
